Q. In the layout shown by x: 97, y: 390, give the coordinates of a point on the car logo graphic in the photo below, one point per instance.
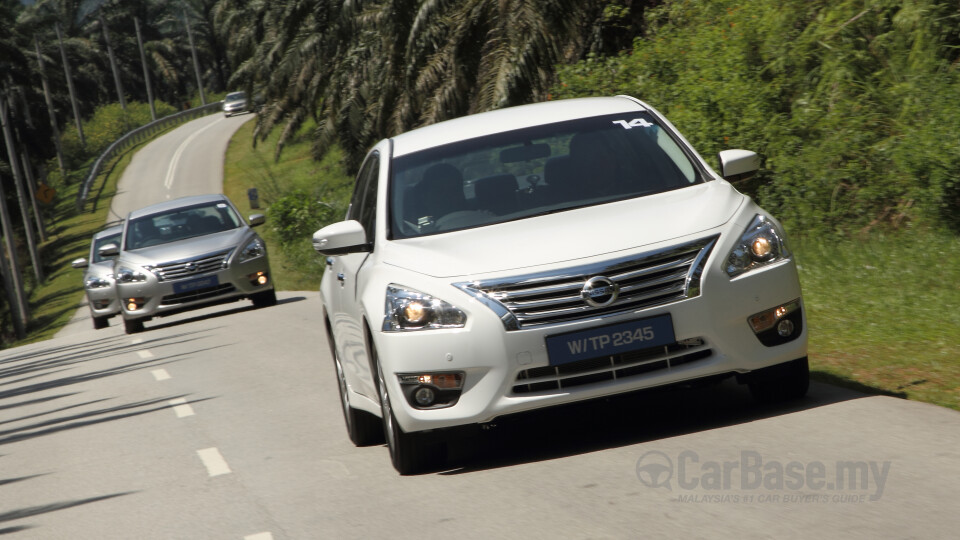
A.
x: 599, y: 291
x: 190, y: 267
x: 655, y: 469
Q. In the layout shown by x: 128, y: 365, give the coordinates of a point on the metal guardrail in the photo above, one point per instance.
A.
x: 137, y: 136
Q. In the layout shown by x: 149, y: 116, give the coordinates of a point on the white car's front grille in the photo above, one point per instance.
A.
x: 650, y: 279
x: 192, y: 267
x: 610, y: 368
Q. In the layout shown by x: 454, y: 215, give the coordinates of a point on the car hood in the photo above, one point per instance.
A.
x: 568, y: 236
x: 187, y: 248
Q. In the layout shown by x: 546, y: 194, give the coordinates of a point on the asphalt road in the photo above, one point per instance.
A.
x: 225, y: 423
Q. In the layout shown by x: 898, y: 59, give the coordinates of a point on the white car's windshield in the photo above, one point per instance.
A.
x: 544, y: 169
x: 179, y: 224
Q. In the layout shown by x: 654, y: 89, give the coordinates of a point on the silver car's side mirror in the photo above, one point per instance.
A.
x: 109, y: 250
x: 257, y: 219
x: 80, y: 263
x: 738, y: 165
x: 341, y: 238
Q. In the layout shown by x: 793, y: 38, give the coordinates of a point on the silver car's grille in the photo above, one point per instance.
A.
x: 645, y: 280
x: 609, y: 368
x: 190, y: 267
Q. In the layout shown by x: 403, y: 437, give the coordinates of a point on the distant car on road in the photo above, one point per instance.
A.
x: 189, y: 253
x: 546, y: 254
x: 98, y: 282
x: 235, y: 103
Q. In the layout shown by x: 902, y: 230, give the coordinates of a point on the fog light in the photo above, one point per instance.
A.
x: 425, y: 396
x: 134, y: 303
x: 259, y: 278
x: 778, y: 325
x: 785, y: 328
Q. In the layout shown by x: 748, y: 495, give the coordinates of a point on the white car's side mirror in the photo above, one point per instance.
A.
x: 79, y: 263
x: 341, y: 238
x: 257, y: 219
x: 109, y: 250
x: 738, y: 164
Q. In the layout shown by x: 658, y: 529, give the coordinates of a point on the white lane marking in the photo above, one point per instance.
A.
x: 145, y: 354
x: 259, y: 536
x: 160, y: 374
x: 175, y: 160
x: 137, y: 341
x: 214, y: 462
x: 182, y: 408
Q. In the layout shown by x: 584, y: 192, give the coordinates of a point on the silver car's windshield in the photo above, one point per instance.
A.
x: 236, y: 96
x: 179, y: 224
x: 528, y: 172
x: 100, y: 242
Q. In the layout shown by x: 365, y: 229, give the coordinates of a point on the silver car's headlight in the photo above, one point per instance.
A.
x: 255, y: 248
x: 96, y: 282
x: 762, y: 243
x: 127, y: 275
x: 408, y: 309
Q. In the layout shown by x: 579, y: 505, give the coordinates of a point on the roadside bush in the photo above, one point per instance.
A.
x: 299, y: 213
x: 853, y: 104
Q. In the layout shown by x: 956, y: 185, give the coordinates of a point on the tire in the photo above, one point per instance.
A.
x: 410, y: 453
x: 99, y: 323
x: 790, y: 381
x: 264, y: 299
x: 363, y: 428
x: 133, y: 326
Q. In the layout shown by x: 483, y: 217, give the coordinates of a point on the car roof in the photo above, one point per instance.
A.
x: 109, y: 231
x: 509, y: 119
x: 174, y: 204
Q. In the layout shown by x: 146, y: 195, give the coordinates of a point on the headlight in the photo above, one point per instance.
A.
x: 255, y: 248
x: 95, y: 282
x: 761, y: 244
x: 407, y: 309
x: 126, y: 275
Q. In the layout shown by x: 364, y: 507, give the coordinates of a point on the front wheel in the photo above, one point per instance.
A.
x: 363, y: 428
x: 133, y: 326
x: 264, y: 299
x: 99, y: 323
x: 409, y: 452
x: 789, y: 381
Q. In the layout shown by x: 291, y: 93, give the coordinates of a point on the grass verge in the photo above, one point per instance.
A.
x: 54, y: 302
x: 295, y: 266
x: 882, y: 312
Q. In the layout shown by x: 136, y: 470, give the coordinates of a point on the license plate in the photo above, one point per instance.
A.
x: 610, y: 340
x: 195, y: 284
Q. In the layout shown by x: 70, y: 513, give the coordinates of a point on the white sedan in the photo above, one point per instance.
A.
x: 546, y: 254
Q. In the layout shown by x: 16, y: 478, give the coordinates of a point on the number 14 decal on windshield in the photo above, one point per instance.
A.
x: 636, y: 122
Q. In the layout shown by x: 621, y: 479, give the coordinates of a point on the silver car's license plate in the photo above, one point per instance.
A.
x: 610, y: 340
x: 195, y: 284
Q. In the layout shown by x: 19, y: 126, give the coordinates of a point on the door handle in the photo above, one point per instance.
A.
x: 341, y: 277
x: 329, y: 261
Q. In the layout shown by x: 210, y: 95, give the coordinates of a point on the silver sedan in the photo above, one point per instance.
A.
x: 98, y: 278
x: 186, y: 254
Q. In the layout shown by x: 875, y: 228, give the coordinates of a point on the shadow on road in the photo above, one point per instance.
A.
x: 619, y: 421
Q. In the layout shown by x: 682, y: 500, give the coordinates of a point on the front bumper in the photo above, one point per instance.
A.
x: 103, y: 301
x: 712, y: 338
x: 154, y: 298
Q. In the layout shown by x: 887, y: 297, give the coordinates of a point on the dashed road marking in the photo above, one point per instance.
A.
x: 181, y: 407
x: 160, y: 374
x: 137, y: 341
x: 145, y: 354
x: 259, y: 536
x: 214, y: 462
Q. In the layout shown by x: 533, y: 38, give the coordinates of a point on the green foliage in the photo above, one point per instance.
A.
x: 853, y: 104
x: 109, y: 123
x: 298, y: 213
x: 882, y: 311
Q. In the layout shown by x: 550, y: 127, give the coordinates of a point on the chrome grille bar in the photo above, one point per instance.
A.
x: 649, y: 279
